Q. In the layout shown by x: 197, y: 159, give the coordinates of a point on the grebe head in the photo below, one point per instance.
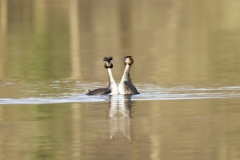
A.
x: 128, y: 60
x: 108, y: 63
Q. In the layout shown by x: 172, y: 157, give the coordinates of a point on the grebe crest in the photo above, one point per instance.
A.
x: 128, y: 60
x: 108, y: 63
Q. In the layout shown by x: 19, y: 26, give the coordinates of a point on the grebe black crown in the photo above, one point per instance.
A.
x: 107, y: 59
x: 108, y: 63
x: 128, y: 57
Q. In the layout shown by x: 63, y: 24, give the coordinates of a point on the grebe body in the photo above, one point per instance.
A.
x: 112, y: 87
x: 126, y: 87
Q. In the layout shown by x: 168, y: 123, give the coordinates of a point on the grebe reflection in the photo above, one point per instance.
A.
x: 120, y: 113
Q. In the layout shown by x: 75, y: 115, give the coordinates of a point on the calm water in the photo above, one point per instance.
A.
x: 186, y: 68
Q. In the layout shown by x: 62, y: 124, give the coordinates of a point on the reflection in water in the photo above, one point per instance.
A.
x: 76, y: 131
x: 3, y: 32
x: 197, y: 129
x: 192, y: 55
x: 1, y: 115
x: 74, y: 39
x: 3, y: 18
x: 120, y: 113
x: 40, y: 17
x: 75, y: 68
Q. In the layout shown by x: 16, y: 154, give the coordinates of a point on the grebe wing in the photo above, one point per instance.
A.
x: 99, y: 91
x: 129, y: 88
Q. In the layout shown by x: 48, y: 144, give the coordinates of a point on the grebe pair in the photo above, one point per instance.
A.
x: 125, y: 86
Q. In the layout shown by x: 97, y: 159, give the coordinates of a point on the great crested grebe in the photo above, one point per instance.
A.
x: 126, y: 86
x: 112, y: 87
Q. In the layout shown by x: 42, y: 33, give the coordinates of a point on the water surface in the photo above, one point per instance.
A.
x: 186, y: 68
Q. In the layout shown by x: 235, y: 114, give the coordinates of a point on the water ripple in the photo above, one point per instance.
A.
x: 148, y: 92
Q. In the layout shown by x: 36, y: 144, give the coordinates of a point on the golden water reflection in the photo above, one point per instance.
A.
x: 174, y: 43
x: 193, y: 42
x: 197, y: 129
x: 76, y: 131
x: 120, y: 113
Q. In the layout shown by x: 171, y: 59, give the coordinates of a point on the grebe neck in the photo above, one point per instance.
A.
x: 126, y: 74
x: 110, y: 76
x: 112, y: 83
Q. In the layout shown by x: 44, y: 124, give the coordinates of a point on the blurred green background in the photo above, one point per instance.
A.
x: 190, y: 42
